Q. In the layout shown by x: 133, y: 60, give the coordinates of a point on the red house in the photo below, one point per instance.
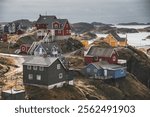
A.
x: 96, y: 53
x: 4, y: 38
x: 60, y: 28
x: 24, y: 48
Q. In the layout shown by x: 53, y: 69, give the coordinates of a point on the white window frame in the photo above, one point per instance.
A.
x: 95, y: 70
x: 60, y: 75
x: 35, y: 67
x: 30, y: 76
x: 88, y: 70
x: 29, y: 67
x: 58, y: 66
x: 38, y: 77
x: 41, y: 68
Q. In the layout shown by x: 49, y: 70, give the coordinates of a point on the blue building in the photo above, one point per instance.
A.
x: 104, y: 70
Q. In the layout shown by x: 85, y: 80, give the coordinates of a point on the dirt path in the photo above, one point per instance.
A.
x: 13, y: 78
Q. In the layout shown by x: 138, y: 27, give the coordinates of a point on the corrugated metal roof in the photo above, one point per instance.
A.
x: 40, y: 61
x: 106, y: 65
x: 101, y: 52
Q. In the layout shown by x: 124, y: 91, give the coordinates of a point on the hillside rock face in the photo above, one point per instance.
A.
x: 89, y: 35
x: 84, y: 88
x: 100, y: 28
x: 148, y: 37
x: 82, y: 27
x: 137, y: 63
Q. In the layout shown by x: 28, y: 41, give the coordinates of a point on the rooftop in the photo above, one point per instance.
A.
x: 40, y: 61
x: 117, y: 37
x: 98, y: 51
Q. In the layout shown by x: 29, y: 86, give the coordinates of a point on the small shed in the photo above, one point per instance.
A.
x: 104, y: 70
x: 13, y: 94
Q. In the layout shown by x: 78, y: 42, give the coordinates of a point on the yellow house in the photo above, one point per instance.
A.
x: 114, y: 40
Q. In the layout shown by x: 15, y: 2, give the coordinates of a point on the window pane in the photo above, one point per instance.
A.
x: 30, y: 76
x: 38, y: 77
x: 60, y: 75
x: 34, y: 67
x: 29, y: 67
x: 58, y: 66
x: 41, y: 68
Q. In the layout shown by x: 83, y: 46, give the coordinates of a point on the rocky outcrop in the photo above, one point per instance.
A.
x: 82, y: 27
x: 85, y: 88
x: 137, y: 63
x: 127, y: 30
x: 148, y: 37
x: 132, y: 23
x: 147, y: 29
x: 89, y: 35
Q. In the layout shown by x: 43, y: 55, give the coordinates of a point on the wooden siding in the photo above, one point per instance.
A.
x: 49, y: 76
x: 113, y: 42
x: 91, y: 59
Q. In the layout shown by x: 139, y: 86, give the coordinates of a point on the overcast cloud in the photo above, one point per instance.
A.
x: 107, y: 11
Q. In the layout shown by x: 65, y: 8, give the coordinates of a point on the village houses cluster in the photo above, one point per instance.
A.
x: 44, y: 66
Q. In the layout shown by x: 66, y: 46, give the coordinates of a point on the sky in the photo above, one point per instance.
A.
x: 106, y: 11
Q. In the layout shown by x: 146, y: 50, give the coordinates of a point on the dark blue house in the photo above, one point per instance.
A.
x: 104, y: 70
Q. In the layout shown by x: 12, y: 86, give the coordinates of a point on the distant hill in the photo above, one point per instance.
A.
x: 132, y: 23
x: 99, y: 24
x: 82, y: 27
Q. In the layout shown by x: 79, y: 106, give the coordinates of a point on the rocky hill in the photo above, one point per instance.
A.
x: 134, y: 86
x: 137, y: 63
x: 99, y: 28
x: 84, y: 88
x: 132, y: 23
x: 82, y: 27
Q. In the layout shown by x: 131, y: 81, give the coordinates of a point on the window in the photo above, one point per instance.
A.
x: 114, y: 58
x: 88, y: 69
x: 58, y: 66
x: 59, y: 31
x: 95, y: 70
x: 41, y: 68
x: 34, y: 67
x: 29, y: 67
x: 55, y: 25
x: 60, y: 75
x: 38, y: 77
x: 30, y: 76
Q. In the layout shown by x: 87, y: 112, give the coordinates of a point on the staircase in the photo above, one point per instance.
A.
x: 31, y: 49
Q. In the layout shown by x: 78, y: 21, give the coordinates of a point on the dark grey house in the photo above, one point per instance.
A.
x: 45, y: 72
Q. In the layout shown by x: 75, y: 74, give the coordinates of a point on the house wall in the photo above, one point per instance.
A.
x: 44, y: 76
x: 53, y: 73
x: 118, y: 73
x: 41, y: 26
x: 89, y: 59
x: 113, y: 42
x: 24, y: 48
x: 67, y: 29
x: 91, y: 71
x: 110, y: 40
